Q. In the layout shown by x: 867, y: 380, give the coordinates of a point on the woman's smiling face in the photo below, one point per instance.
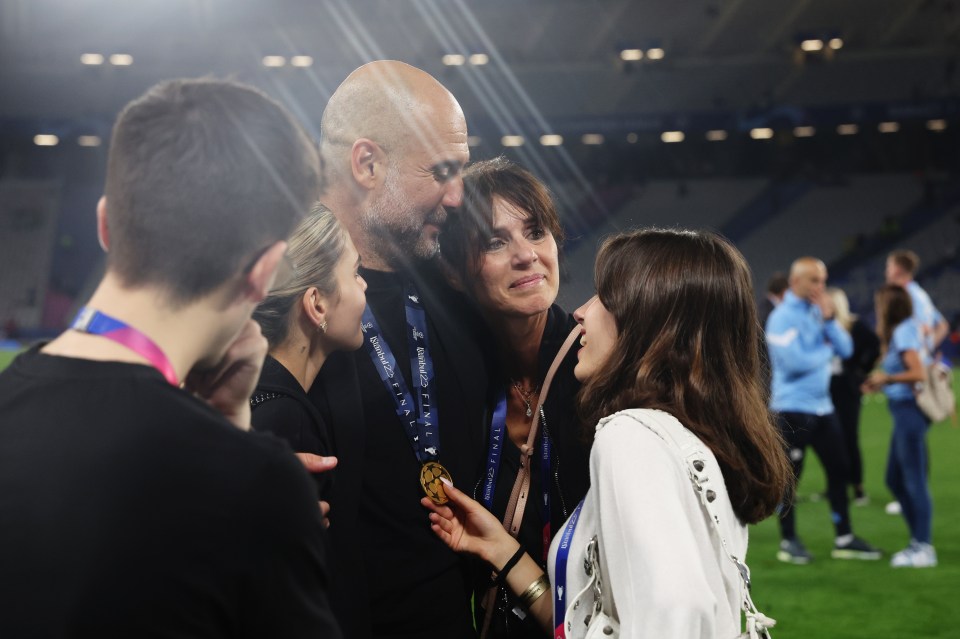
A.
x: 519, y: 274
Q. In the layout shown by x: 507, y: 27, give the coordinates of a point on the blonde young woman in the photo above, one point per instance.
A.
x: 309, y: 313
x: 848, y: 375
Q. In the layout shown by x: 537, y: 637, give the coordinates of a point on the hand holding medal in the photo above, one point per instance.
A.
x: 466, y: 526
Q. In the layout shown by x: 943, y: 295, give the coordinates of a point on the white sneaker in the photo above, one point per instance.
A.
x: 893, y: 508
x: 916, y: 555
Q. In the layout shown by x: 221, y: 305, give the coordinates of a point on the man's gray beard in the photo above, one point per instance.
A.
x: 396, y: 244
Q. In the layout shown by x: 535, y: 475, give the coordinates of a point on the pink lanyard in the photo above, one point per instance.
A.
x: 94, y: 322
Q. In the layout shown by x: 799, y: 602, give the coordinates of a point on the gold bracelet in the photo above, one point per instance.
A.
x: 534, y: 591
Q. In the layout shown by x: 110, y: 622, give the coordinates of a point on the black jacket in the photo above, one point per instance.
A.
x: 280, y: 406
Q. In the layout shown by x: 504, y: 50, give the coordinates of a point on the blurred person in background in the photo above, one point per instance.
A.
x: 502, y: 247
x: 901, y: 267
x: 902, y: 340
x: 803, y: 336
x: 847, y: 377
x: 675, y: 393
x: 134, y: 501
x: 312, y: 312
x: 776, y: 288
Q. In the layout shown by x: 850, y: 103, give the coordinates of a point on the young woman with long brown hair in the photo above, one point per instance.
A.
x: 901, y: 338
x: 685, y: 452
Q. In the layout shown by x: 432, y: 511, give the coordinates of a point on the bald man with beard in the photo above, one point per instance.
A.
x: 394, y: 142
x: 803, y: 336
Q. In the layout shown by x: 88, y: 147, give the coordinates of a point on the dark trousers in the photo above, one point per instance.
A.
x: 907, y: 467
x: 823, y: 434
x: 846, y: 404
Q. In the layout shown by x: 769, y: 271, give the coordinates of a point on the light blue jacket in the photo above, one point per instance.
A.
x: 927, y: 317
x: 801, y: 346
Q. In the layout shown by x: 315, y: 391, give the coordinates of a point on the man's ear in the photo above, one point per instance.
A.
x: 315, y: 306
x: 367, y: 163
x: 260, y: 277
x: 103, y: 231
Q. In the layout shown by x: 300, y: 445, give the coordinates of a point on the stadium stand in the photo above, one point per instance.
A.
x: 823, y: 221
x: 28, y: 222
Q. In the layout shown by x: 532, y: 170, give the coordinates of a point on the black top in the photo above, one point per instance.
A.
x: 393, y: 576
x: 570, y: 467
x: 129, y: 508
x: 866, y: 350
x: 280, y: 406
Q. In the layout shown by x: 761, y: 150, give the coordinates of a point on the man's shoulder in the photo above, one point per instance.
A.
x: 918, y: 294
x: 128, y: 404
x: 787, y: 313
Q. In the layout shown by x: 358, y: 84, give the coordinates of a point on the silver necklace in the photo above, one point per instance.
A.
x: 526, y: 395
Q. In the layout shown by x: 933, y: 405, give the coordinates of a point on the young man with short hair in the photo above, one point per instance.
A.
x: 132, y: 500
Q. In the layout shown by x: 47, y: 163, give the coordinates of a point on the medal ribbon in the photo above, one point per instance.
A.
x: 497, y: 433
x: 545, y: 447
x: 417, y: 412
x: 94, y: 322
x: 497, y: 427
x: 560, y: 575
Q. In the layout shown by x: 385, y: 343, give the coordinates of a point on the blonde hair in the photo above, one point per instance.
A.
x: 841, y: 307
x: 313, y: 252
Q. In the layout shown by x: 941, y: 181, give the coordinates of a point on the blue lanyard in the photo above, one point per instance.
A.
x: 498, y: 427
x: 545, y: 448
x: 560, y: 574
x: 497, y: 432
x: 416, y: 411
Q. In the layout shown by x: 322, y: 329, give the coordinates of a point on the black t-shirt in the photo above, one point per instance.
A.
x: 416, y: 586
x: 128, y: 508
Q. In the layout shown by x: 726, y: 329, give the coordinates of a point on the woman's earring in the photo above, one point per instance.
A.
x: 323, y: 327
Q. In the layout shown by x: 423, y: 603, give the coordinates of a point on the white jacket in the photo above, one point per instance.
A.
x: 661, y: 558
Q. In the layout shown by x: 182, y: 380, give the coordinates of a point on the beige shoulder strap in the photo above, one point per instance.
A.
x: 513, y: 516
x: 521, y: 487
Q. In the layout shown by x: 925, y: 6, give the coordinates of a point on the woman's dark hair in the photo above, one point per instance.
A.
x: 893, y: 305
x: 468, y: 232
x: 686, y: 344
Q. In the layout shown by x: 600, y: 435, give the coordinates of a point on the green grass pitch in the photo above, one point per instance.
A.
x: 866, y: 599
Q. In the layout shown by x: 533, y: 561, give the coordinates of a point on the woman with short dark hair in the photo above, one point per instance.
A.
x: 502, y: 249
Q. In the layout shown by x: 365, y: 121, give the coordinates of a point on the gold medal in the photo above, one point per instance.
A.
x: 430, y: 474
